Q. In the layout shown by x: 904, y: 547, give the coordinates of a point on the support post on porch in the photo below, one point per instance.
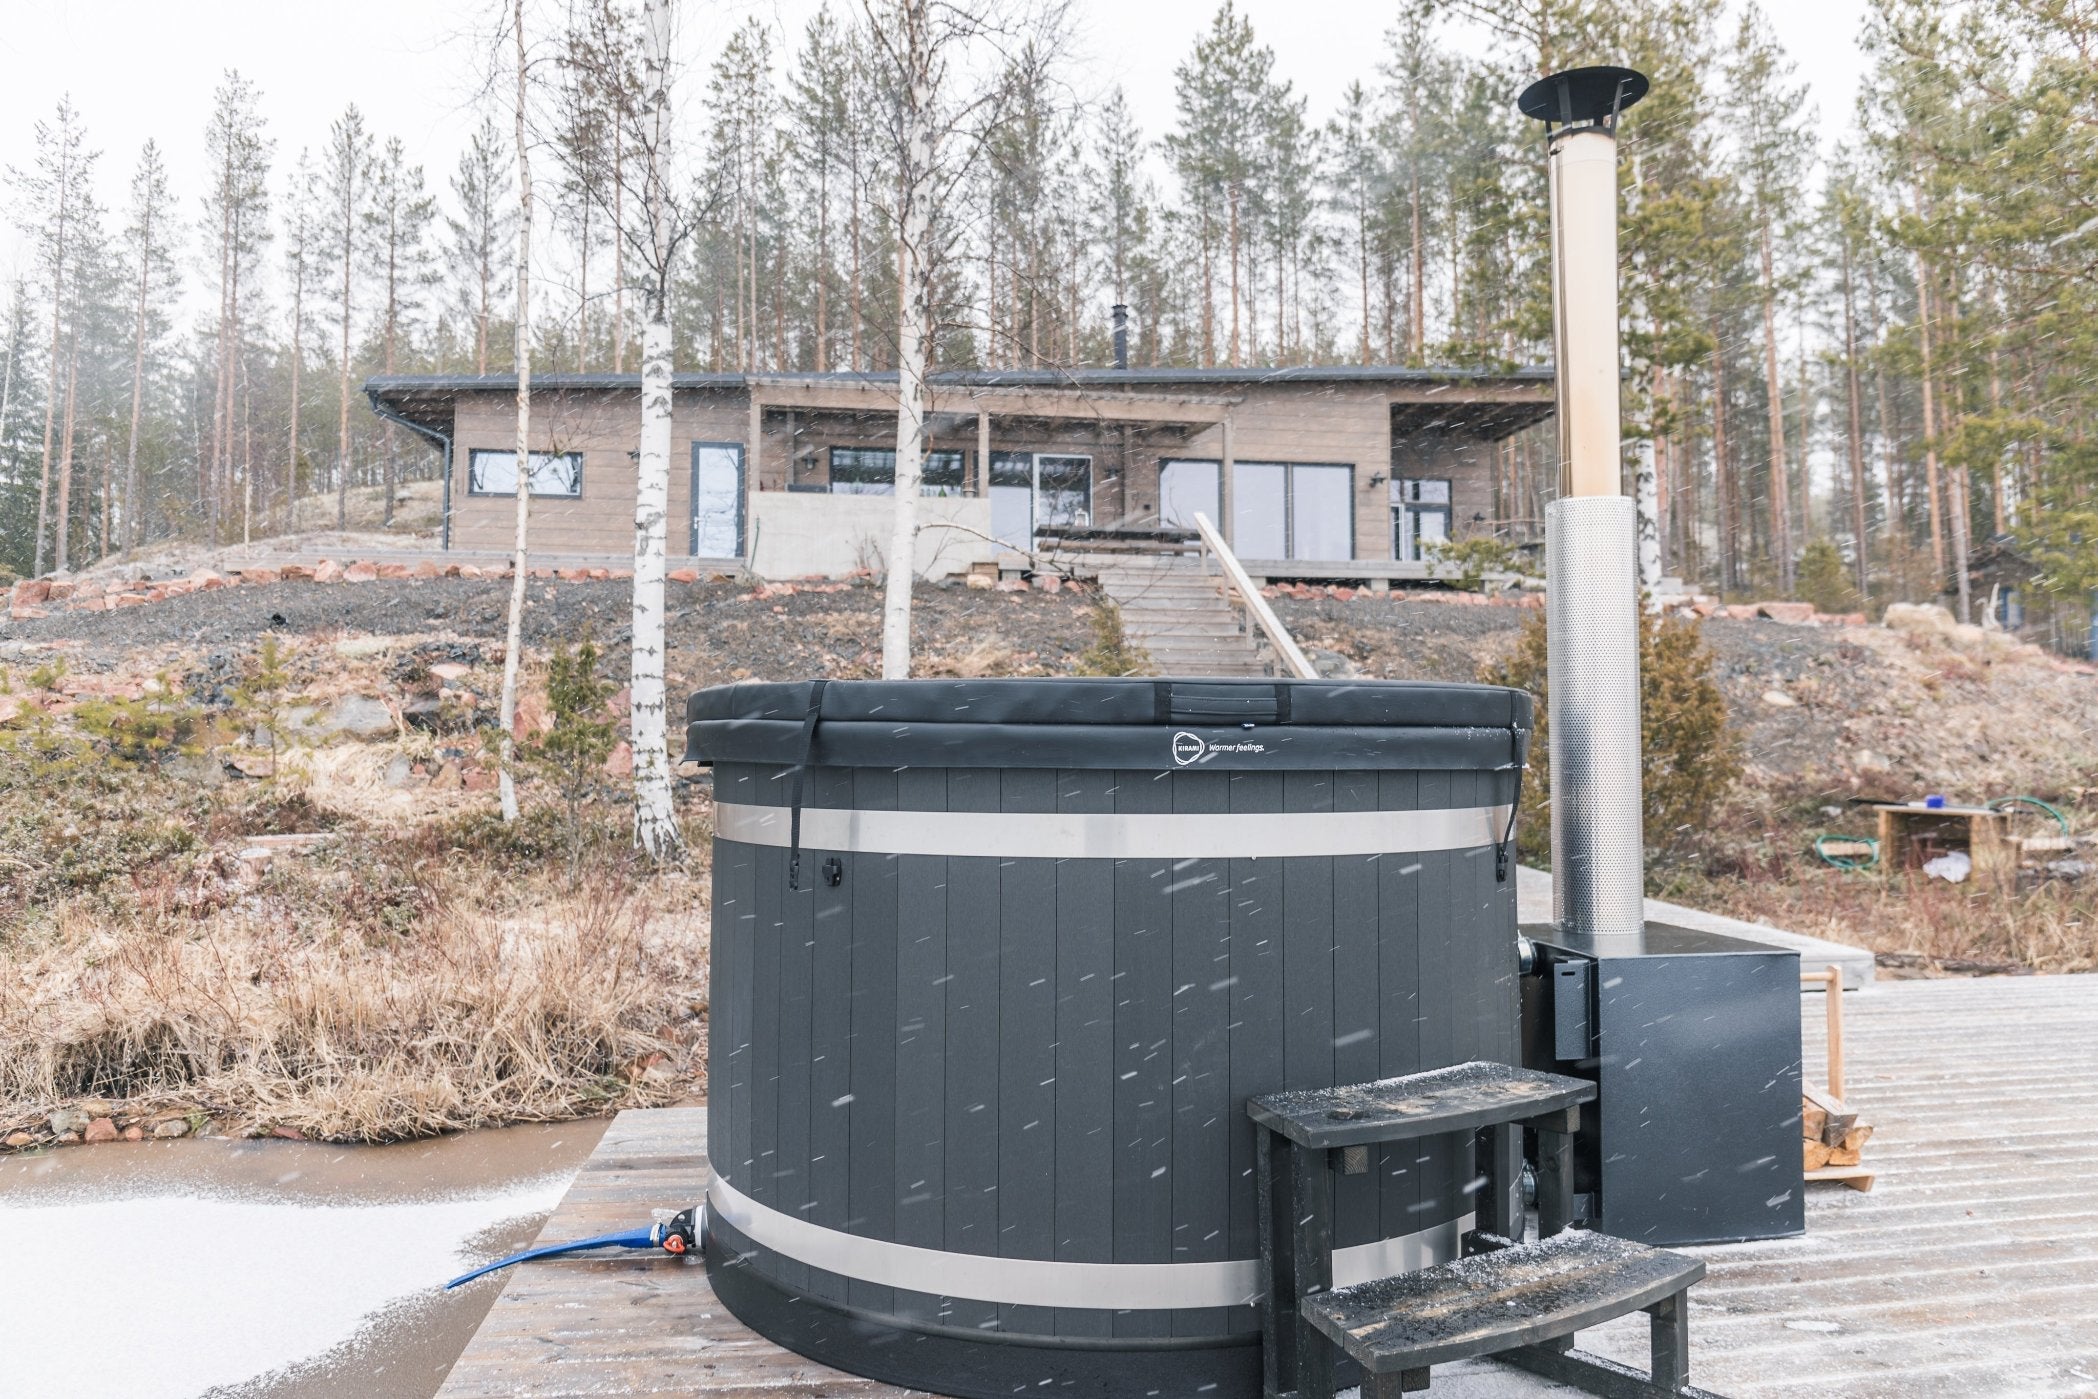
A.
x: 1224, y: 474
x: 750, y: 480
x: 979, y: 480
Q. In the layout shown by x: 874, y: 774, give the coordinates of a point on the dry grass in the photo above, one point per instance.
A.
x: 360, y: 996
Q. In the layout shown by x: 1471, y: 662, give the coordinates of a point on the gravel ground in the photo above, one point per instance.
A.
x: 718, y: 631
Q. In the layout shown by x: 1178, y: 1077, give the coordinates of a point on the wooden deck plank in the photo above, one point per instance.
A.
x: 641, y: 1323
x: 1971, y: 1270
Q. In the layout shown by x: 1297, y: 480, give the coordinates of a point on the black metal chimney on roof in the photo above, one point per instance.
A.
x: 1121, y: 336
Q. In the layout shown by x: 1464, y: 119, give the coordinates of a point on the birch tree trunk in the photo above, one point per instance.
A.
x: 1646, y: 499
x: 655, y: 816
x: 513, y: 636
x: 913, y: 228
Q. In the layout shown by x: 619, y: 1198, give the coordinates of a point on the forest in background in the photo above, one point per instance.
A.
x: 1855, y: 370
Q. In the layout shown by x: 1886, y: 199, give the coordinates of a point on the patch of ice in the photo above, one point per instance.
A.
x: 172, y: 1295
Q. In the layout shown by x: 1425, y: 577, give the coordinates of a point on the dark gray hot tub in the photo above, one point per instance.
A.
x: 977, y: 1108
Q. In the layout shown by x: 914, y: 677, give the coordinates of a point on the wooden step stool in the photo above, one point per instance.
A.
x: 1521, y: 1302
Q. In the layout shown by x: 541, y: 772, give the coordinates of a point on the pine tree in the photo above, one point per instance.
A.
x: 236, y: 222
x: 398, y: 224
x: 478, y: 251
x: 346, y: 186
x: 149, y: 254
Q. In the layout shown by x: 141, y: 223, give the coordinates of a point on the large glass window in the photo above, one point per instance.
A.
x: 1420, y: 516
x: 553, y: 473
x: 872, y: 471
x: 1292, y: 510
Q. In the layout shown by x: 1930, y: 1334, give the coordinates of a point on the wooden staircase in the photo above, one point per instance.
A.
x: 1177, y: 611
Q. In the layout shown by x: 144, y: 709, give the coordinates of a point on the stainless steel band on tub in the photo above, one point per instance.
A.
x: 1034, y: 1282
x: 1071, y: 835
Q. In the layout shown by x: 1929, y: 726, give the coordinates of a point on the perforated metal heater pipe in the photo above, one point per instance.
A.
x: 1598, y: 844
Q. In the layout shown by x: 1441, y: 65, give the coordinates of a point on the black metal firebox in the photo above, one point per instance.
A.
x: 1692, y: 1040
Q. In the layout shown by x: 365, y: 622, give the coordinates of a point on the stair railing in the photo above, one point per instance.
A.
x: 1239, y: 590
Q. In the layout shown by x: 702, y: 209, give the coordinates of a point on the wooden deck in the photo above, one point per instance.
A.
x: 1972, y: 1268
x: 641, y: 1323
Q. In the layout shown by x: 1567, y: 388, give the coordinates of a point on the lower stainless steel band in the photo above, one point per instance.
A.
x: 1031, y: 1282
x: 1063, y: 835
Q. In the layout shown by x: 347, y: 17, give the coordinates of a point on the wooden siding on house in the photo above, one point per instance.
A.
x: 1341, y: 423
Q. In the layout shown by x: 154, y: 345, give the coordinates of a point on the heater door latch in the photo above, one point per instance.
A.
x: 1573, y: 984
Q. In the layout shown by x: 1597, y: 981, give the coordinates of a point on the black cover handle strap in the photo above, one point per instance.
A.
x: 801, y: 774
x: 1503, y: 851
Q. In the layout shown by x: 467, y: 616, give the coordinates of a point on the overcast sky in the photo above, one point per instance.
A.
x: 140, y: 68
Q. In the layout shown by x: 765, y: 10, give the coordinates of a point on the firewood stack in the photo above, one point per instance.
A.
x: 1833, y: 1140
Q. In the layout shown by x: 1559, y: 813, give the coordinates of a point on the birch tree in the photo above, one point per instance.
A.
x: 513, y: 635
x: 937, y: 130
x: 655, y: 816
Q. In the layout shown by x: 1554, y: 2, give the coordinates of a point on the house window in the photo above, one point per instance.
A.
x: 872, y: 471
x: 1292, y: 510
x: 553, y: 473
x: 1420, y: 516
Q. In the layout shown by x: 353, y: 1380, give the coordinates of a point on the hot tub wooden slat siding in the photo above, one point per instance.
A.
x: 639, y: 1323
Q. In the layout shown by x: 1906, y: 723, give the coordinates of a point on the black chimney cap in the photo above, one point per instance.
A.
x: 1582, y: 96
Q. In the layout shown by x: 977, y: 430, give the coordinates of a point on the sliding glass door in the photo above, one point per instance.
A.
x: 1292, y: 510
x: 717, y: 500
x: 1035, y: 491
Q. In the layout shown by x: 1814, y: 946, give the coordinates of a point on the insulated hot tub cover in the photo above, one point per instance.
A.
x: 996, y: 964
x: 1256, y: 725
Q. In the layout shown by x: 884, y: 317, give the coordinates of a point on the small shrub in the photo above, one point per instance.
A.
x: 145, y: 732
x: 259, y: 698
x: 1466, y: 562
x: 570, y: 756
x: 1691, y: 754
x: 1111, y: 652
x: 1824, y: 579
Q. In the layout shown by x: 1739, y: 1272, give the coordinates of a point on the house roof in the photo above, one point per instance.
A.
x: 1428, y: 399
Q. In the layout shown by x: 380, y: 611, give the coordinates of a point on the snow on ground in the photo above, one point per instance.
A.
x: 157, y: 1295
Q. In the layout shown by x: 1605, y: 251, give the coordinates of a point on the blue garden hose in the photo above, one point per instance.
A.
x: 677, y: 1235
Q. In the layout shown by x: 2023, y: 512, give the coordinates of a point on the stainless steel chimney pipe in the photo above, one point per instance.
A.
x: 1598, y: 845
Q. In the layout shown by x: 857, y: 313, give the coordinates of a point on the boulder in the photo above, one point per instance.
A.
x: 30, y: 591
x: 170, y: 1129
x: 260, y: 575
x: 327, y: 571
x: 620, y: 762
x: 360, y: 572
x: 360, y: 716
x: 134, y: 1133
x: 61, y: 589
x: 448, y: 671
x: 64, y: 1120
x: 399, y: 771
x: 295, y: 572
x: 23, y: 612
x: 197, y: 769
x: 1924, y: 618
x: 393, y: 570
x: 18, y: 1140
x: 425, y: 569
x: 1790, y: 612
x: 683, y: 575
x: 448, y: 778
x: 102, y: 1129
